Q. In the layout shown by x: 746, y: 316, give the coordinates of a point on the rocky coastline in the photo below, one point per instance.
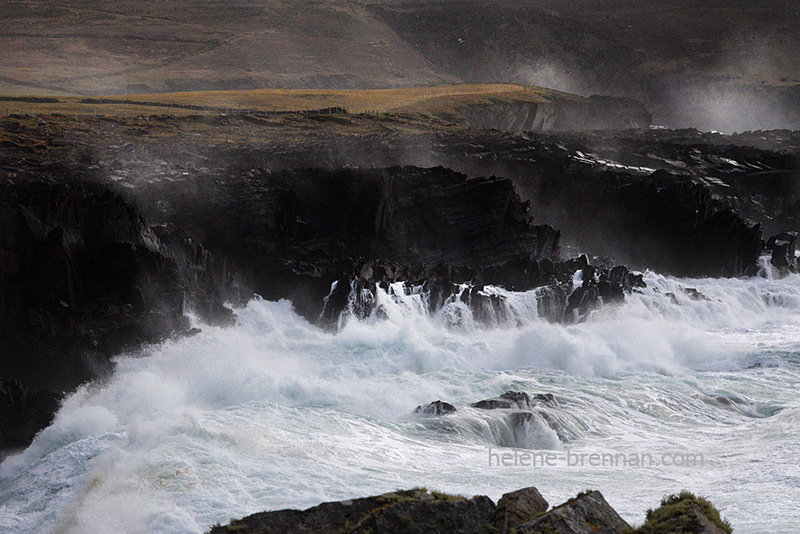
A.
x: 114, y: 230
x: 524, y: 511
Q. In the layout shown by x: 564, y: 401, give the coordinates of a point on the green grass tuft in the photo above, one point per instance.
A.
x: 673, y: 517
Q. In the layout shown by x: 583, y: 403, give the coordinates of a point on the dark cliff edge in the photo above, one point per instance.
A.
x: 87, y: 273
x: 83, y: 277
x: 552, y: 114
x: 326, y: 239
x: 525, y: 511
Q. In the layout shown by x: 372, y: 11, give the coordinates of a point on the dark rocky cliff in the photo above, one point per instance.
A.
x: 294, y: 233
x: 568, y: 114
x: 83, y: 277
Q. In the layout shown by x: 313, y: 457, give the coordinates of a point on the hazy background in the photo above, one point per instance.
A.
x: 723, y: 64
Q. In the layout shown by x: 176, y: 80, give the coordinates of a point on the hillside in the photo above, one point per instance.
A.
x: 721, y: 64
x: 507, y: 107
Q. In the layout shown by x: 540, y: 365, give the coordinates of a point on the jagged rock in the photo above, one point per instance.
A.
x: 431, y: 516
x: 83, y: 276
x: 508, y: 400
x: 524, y: 511
x: 518, y: 507
x: 588, y: 513
x: 435, y: 408
x: 546, y: 398
x: 784, y: 247
x: 406, y: 512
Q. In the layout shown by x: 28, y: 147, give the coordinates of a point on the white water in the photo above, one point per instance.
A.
x: 276, y: 413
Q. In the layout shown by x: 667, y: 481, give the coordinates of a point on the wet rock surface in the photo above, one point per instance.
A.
x: 23, y: 412
x: 435, y: 408
x: 783, y: 249
x: 82, y: 278
x: 513, y: 419
x: 113, y: 228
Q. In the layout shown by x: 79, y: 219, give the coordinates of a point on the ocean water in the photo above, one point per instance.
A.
x: 276, y: 413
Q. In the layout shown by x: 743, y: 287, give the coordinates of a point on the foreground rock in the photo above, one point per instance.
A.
x: 412, y: 512
x: 518, y: 507
x: 685, y: 513
x: 588, y: 513
x: 524, y: 511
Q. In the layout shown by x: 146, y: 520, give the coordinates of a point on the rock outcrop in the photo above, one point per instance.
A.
x: 412, y: 512
x: 588, y: 513
x: 524, y: 511
x: 784, y: 248
x: 435, y: 408
x: 516, y: 417
x: 684, y: 513
x: 83, y: 277
x: 327, y: 239
x: 518, y: 507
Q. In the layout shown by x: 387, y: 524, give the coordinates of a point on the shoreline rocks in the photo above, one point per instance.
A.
x: 525, y: 511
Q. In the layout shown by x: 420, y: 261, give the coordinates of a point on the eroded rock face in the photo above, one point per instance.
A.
x: 23, y: 412
x: 518, y: 507
x: 593, y: 113
x: 407, y: 512
x: 784, y: 247
x: 83, y: 276
x: 506, y: 401
x: 586, y: 514
x: 326, y: 239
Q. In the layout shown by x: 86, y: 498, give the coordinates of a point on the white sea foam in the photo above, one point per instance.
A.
x: 277, y: 413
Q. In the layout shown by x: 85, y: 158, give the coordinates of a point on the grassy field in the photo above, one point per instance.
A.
x: 412, y: 99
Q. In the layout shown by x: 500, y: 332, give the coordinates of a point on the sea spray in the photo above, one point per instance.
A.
x: 276, y: 412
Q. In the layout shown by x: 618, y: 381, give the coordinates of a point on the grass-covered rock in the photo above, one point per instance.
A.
x: 685, y: 513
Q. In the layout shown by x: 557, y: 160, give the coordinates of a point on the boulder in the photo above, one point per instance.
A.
x: 508, y: 400
x: 784, y: 247
x: 588, y: 513
x: 518, y: 507
x: 435, y: 408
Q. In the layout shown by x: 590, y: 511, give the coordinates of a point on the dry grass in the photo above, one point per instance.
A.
x: 431, y: 99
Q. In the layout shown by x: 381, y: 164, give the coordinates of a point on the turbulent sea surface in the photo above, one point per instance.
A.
x: 277, y: 413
